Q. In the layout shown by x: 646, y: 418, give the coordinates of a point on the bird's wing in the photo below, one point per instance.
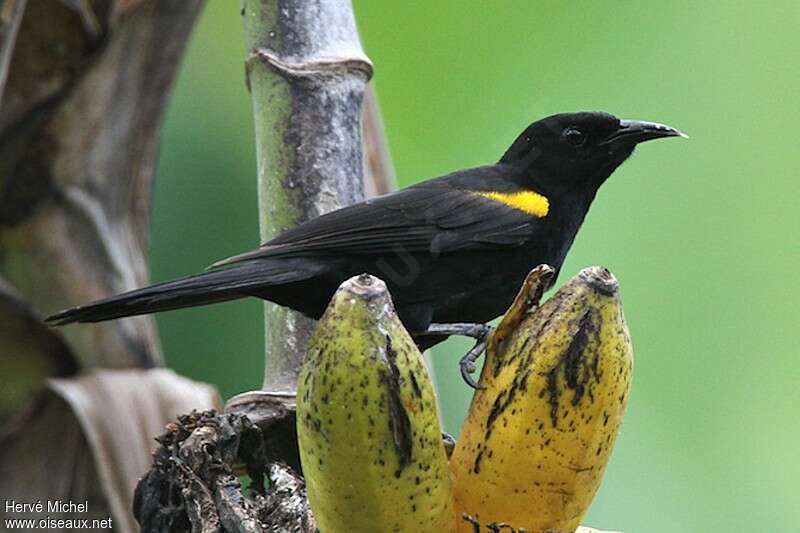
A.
x: 430, y: 217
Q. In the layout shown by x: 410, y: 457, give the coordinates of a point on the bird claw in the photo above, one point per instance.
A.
x: 480, y: 332
x: 468, y: 379
x: 467, y: 363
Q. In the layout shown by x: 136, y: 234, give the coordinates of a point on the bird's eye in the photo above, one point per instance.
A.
x: 574, y: 136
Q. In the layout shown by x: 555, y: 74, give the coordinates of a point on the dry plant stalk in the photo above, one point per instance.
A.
x: 83, y: 88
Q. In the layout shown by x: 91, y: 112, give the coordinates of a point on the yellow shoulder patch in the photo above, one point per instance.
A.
x: 531, y: 202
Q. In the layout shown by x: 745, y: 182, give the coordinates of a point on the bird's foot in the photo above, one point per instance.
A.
x: 467, y: 363
x: 479, y: 332
x: 449, y: 443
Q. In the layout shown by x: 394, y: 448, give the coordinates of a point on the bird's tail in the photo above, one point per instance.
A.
x: 212, y: 286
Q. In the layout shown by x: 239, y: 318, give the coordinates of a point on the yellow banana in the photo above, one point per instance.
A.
x: 370, y: 442
x: 537, y: 438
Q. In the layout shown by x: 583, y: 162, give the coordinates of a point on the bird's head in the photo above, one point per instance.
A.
x: 579, y: 149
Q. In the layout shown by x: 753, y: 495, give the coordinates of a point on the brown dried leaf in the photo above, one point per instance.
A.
x: 30, y: 352
x: 47, y: 459
x: 50, y: 48
x: 11, y: 12
x: 92, y: 438
x: 379, y: 176
x: 76, y: 172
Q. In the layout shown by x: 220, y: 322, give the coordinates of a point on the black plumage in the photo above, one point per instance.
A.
x: 451, y: 249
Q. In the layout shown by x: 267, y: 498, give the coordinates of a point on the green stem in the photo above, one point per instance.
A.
x: 307, y: 74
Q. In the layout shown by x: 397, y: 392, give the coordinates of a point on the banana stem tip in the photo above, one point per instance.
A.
x: 601, y: 279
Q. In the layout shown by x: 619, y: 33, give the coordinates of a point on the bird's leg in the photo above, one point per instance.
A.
x: 479, y: 332
x: 465, y: 329
x: 467, y: 363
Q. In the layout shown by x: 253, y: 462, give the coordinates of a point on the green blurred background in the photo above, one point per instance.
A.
x: 702, y: 234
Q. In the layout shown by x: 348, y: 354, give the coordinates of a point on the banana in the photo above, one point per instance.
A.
x: 370, y: 442
x: 555, y: 383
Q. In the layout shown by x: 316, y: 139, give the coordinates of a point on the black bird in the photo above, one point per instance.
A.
x: 453, y: 249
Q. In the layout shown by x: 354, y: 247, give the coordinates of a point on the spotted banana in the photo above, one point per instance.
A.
x: 555, y: 383
x: 370, y: 443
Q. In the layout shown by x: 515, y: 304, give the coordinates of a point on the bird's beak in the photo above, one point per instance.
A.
x: 633, y: 132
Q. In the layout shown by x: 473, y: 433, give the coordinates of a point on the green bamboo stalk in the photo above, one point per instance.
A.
x: 307, y: 73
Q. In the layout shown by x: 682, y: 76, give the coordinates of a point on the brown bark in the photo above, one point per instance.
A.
x: 78, y: 142
x: 11, y: 12
x: 84, y: 86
